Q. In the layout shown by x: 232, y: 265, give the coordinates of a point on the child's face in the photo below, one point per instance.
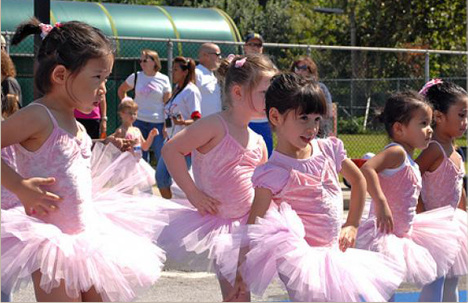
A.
x: 297, y: 129
x: 88, y: 86
x: 128, y: 116
x: 454, y: 122
x: 418, y: 132
x: 258, y: 96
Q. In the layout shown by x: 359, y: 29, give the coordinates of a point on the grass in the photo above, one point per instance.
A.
x: 357, y: 145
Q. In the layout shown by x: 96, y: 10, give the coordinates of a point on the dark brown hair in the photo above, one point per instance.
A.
x: 443, y: 95
x: 185, y: 64
x: 400, y: 107
x: 71, y: 44
x: 290, y: 91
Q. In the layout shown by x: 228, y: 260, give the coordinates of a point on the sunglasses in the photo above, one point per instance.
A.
x: 252, y: 44
x: 217, y: 54
x: 302, y: 67
x: 145, y: 60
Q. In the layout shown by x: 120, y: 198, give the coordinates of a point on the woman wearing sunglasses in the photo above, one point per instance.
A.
x: 152, y: 91
x: 306, y: 67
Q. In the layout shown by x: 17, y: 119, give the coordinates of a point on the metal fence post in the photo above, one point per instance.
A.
x: 170, y: 47
x: 8, y: 41
x: 426, y: 68
x: 309, y: 51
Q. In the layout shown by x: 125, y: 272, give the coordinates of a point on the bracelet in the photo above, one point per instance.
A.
x: 104, y: 118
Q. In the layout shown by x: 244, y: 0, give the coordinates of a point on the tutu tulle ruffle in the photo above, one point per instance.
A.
x: 189, y: 232
x: 277, y: 246
x: 460, y: 266
x: 422, y: 251
x: 113, y: 251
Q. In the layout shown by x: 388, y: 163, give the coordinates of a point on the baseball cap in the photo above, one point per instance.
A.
x: 253, y: 36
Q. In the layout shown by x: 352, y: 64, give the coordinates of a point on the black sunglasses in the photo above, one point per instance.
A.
x: 146, y: 60
x: 217, y: 54
x: 302, y: 67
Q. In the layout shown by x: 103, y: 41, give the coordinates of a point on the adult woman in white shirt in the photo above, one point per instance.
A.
x: 152, y: 91
x: 182, y: 109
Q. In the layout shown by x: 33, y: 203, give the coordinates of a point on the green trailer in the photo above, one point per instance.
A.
x: 133, y: 26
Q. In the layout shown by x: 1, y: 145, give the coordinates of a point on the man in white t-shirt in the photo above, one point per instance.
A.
x: 209, y: 57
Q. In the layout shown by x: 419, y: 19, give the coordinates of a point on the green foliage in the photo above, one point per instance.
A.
x: 433, y: 24
x: 350, y: 125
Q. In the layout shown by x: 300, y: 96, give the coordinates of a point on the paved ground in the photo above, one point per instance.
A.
x: 179, y: 284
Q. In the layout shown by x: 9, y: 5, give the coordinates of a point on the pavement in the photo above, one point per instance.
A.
x: 188, y: 286
x: 181, y: 283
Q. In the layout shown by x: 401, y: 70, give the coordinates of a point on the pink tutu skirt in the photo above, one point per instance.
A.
x: 423, y: 252
x: 113, y: 251
x: 112, y: 169
x: 278, y: 246
x: 190, y: 233
x: 460, y: 266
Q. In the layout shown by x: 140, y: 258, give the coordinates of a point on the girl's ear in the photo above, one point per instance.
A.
x: 237, y: 93
x: 398, y: 128
x: 275, y: 117
x: 438, y: 115
x: 59, y: 74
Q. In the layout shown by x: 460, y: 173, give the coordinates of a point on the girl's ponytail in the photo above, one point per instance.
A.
x: 30, y: 27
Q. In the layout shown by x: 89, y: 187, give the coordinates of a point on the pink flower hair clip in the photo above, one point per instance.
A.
x: 240, y: 63
x: 428, y: 85
x: 46, y: 28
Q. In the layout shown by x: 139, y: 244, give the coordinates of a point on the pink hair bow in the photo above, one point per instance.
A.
x: 46, y: 28
x: 240, y: 63
x: 230, y: 58
x: 428, y: 85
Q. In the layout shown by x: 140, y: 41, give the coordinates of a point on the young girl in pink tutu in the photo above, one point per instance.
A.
x: 128, y: 110
x: 76, y: 239
x: 442, y: 168
x: 394, y: 183
x: 301, y: 236
x: 9, y: 200
x: 225, y: 153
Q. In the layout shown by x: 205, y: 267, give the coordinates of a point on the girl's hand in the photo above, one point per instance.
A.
x: 203, y: 203
x: 154, y: 132
x: 164, y: 133
x: 120, y: 143
x: 384, y: 218
x: 35, y: 199
x: 178, y: 120
x: 239, y: 291
x: 347, y: 237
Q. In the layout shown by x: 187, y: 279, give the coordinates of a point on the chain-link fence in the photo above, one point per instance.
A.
x: 359, y: 79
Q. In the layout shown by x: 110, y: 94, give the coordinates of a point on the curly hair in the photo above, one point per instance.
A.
x: 8, y: 68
